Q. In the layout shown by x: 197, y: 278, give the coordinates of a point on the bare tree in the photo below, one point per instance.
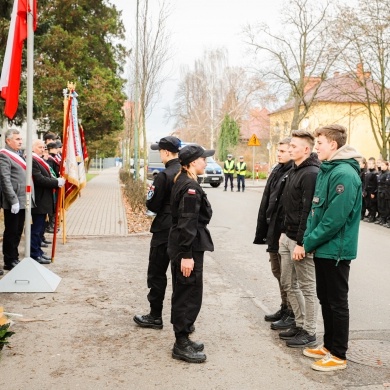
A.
x: 153, y: 55
x: 208, y: 92
x: 368, y: 29
x: 303, y: 51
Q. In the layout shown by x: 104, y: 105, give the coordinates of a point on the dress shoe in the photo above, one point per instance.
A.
x: 11, y: 265
x: 46, y: 257
x: 183, y: 350
x: 1, y: 272
x: 147, y: 321
x: 41, y: 260
x: 49, y: 230
x: 46, y: 241
x: 43, y: 245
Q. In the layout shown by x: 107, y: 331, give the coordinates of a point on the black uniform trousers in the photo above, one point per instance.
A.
x: 13, y: 229
x: 371, y: 205
x: 187, y: 295
x: 332, y: 292
x: 157, y: 278
x: 229, y: 176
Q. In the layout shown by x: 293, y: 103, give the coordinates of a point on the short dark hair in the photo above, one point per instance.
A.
x: 306, y: 135
x: 50, y: 135
x: 336, y: 133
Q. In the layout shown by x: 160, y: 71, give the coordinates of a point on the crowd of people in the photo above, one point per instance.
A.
x: 46, y: 158
x: 375, y: 176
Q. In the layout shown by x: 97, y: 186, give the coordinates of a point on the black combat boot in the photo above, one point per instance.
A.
x: 286, y: 322
x: 147, y: 321
x: 184, y: 349
x: 276, y: 316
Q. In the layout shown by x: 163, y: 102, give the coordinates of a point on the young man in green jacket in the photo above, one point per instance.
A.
x: 332, y: 235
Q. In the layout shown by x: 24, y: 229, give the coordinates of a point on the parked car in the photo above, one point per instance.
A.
x: 213, y: 173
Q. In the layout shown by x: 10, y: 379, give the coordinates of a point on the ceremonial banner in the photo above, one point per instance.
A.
x: 73, y: 155
x: 12, y: 65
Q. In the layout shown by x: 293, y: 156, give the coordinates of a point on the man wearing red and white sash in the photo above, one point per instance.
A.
x: 13, y: 196
x: 44, y: 184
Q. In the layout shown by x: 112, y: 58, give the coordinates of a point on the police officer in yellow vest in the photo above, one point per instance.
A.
x: 228, y: 170
x: 241, y: 171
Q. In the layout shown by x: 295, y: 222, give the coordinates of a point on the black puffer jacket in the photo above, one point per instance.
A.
x: 270, y: 217
x: 297, y: 197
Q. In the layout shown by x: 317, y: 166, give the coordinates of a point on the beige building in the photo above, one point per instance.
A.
x: 337, y: 101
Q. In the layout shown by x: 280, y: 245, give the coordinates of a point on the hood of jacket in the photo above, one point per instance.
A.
x: 346, y: 154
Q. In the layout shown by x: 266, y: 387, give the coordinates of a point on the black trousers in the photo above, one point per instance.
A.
x: 13, y: 229
x: 157, y: 278
x: 371, y: 205
x: 228, y: 176
x: 332, y: 292
x: 187, y: 295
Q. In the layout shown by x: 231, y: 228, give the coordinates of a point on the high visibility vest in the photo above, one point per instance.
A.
x: 241, y: 168
x: 228, y: 166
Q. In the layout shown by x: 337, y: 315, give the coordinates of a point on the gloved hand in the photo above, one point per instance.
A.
x: 15, y: 208
x: 61, y: 182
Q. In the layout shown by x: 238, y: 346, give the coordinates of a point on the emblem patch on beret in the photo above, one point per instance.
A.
x: 150, y: 193
x: 340, y: 189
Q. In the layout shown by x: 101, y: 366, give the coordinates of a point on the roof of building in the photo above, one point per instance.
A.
x: 341, y: 88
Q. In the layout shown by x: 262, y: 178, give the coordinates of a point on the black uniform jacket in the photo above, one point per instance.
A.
x: 191, y: 212
x: 158, y: 201
x: 298, y: 196
x: 270, y: 217
x: 371, y: 182
x: 44, y: 184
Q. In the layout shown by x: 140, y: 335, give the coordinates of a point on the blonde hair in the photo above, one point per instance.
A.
x: 191, y: 175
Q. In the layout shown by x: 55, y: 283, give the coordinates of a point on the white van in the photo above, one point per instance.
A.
x: 213, y: 174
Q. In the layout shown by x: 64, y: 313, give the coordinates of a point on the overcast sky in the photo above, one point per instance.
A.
x: 197, y: 25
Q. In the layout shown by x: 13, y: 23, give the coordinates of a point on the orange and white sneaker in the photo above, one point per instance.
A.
x: 329, y: 363
x: 316, y: 353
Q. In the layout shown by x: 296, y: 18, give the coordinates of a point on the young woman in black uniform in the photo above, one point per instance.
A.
x: 189, y: 238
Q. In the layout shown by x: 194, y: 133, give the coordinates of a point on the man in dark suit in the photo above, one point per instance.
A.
x: 44, y: 185
x: 13, y: 196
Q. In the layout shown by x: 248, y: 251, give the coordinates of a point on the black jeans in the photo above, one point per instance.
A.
x: 157, y: 278
x: 241, y: 182
x: 187, y: 295
x: 332, y: 292
x: 14, y: 224
x: 228, y: 176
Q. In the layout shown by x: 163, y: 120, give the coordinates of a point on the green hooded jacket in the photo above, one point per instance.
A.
x: 333, y: 224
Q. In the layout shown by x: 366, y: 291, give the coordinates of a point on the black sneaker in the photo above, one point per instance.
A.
x: 290, y: 333
x: 301, y: 340
x: 276, y: 316
x: 147, y: 321
x: 286, y: 322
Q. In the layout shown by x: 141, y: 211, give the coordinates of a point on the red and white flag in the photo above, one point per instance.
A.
x: 12, y: 65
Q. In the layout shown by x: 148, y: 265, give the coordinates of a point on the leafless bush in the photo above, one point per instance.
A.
x: 134, y: 190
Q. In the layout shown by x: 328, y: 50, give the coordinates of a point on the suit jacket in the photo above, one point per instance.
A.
x: 12, y: 182
x: 44, y: 184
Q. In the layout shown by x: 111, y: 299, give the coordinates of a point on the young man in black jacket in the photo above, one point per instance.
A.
x: 298, y: 273
x: 268, y: 229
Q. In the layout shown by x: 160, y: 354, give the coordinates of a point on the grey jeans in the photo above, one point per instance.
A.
x: 298, y: 279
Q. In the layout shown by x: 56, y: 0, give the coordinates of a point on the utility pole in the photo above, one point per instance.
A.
x: 136, y: 103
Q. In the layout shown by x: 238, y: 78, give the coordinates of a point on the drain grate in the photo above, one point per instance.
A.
x: 373, y: 353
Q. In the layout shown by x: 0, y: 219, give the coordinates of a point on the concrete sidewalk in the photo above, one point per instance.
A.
x: 99, y: 211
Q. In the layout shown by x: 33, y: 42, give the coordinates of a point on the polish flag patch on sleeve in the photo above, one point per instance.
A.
x: 191, y: 191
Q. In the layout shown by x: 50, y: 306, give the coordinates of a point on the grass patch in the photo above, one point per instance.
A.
x: 90, y: 176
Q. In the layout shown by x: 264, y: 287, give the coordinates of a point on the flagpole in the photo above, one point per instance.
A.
x: 30, y: 94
